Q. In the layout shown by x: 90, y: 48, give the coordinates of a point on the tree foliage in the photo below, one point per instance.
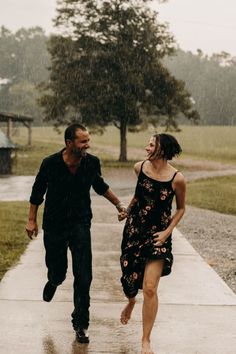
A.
x: 211, y: 80
x: 23, y: 65
x: 107, y: 67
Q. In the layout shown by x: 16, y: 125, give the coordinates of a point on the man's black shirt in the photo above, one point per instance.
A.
x: 67, y: 194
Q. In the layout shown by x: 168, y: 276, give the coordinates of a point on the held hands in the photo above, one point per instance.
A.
x: 31, y: 229
x: 122, y: 211
x: 122, y: 214
x: 160, y: 238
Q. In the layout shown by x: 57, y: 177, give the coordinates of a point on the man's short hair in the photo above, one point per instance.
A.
x: 70, y: 132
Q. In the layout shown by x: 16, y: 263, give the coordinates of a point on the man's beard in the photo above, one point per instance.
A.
x: 78, y: 152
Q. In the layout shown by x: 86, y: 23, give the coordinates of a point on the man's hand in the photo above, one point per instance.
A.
x: 31, y: 229
x: 122, y: 214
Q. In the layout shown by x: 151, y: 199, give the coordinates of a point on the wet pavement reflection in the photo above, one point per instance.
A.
x: 189, y: 319
x: 50, y: 346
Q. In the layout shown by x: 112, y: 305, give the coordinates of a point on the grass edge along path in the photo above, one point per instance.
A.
x: 13, y: 238
x: 215, y: 193
x: 206, y: 143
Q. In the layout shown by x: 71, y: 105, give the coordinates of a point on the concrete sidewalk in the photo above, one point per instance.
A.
x: 197, y: 313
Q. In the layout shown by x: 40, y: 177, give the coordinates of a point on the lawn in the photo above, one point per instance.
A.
x: 217, y: 194
x: 28, y: 159
x: 216, y: 143
x: 13, y: 238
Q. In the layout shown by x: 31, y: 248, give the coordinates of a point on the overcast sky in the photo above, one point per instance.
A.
x: 206, y: 24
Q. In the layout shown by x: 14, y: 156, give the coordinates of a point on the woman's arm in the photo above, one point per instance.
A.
x: 179, y: 186
x: 123, y: 215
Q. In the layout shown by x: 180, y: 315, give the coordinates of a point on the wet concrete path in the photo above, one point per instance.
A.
x: 14, y: 188
x: 197, y: 311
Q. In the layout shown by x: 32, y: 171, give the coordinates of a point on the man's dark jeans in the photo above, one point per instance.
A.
x: 78, y: 239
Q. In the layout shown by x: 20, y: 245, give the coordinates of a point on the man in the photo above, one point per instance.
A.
x: 66, y: 177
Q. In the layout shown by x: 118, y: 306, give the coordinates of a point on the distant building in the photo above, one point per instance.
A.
x: 11, y: 118
x: 6, y: 147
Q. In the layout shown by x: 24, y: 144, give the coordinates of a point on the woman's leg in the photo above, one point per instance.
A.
x: 126, y: 313
x: 152, y: 274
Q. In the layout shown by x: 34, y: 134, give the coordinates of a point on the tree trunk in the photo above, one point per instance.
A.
x: 30, y: 134
x: 123, y: 141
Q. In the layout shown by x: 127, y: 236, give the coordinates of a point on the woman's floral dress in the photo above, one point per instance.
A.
x: 151, y: 212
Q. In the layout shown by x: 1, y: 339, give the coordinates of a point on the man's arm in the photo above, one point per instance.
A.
x: 32, y: 226
x: 38, y: 190
x: 102, y: 188
x: 110, y: 195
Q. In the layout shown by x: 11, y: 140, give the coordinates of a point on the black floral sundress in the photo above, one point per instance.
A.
x: 150, y: 213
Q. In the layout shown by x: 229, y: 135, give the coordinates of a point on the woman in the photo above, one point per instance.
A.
x: 146, y: 245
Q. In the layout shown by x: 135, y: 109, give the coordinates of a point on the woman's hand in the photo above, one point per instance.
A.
x: 160, y: 238
x: 122, y: 214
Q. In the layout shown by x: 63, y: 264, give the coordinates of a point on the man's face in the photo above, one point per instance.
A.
x: 80, y: 144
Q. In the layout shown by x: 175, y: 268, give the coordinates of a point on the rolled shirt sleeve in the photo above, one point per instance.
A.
x: 99, y: 185
x: 40, y: 185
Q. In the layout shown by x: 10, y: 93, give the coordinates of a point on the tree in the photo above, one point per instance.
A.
x: 23, y: 62
x: 211, y: 81
x: 107, y: 67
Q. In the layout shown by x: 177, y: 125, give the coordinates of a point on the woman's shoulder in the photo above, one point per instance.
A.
x: 179, y: 179
x: 177, y: 175
x: 138, y: 166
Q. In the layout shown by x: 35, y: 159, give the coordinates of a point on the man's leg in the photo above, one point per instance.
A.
x: 56, y: 245
x: 80, y: 246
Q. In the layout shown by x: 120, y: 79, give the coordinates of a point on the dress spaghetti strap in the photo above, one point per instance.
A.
x: 174, y: 176
x: 141, y: 169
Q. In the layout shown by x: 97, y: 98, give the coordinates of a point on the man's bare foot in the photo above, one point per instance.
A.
x: 126, y: 313
x: 146, y: 348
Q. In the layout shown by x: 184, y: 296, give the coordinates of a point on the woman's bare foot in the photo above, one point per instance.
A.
x: 146, y: 349
x: 126, y: 313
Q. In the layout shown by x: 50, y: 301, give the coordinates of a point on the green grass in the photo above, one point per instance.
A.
x: 13, y: 239
x: 27, y: 159
x: 217, y: 194
x: 216, y: 143
x: 199, y: 142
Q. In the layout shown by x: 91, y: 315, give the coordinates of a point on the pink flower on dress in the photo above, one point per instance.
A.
x: 163, y: 194
x: 147, y: 185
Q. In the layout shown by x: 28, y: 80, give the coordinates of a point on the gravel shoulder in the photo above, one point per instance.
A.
x: 213, y: 235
